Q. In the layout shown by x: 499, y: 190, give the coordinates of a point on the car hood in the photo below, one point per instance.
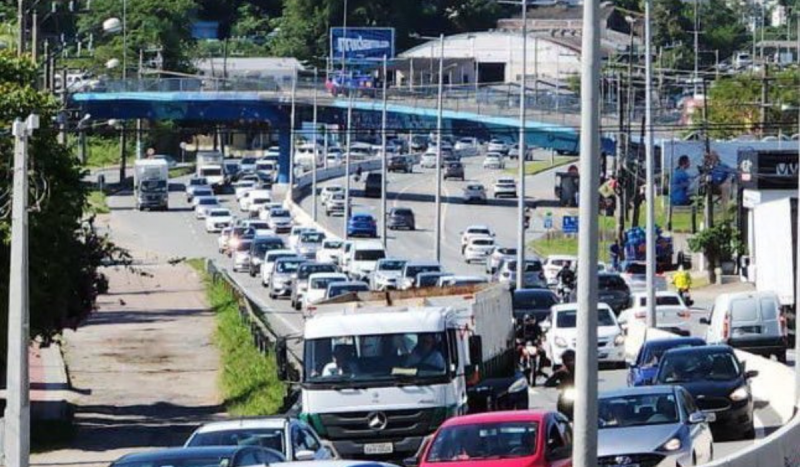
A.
x: 632, y: 440
x: 363, y: 265
x: 388, y: 274
x: 602, y: 332
x: 700, y: 389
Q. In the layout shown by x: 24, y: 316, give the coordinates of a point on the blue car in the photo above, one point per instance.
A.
x: 362, y: 225
x: 644, y: 369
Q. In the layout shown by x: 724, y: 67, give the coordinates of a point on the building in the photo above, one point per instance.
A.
x: 250, y: 68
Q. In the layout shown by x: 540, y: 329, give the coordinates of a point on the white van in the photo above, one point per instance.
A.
x: 750, y: 321
x: 362, y: 258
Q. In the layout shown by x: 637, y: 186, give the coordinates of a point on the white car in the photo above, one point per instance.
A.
x: 493, y: 161
x: 478, y: 249
x: 222, y: 240
x: 467, y: 147
x: 256, y: 201
x: 254, y: 196
x: 474, y: 193
x: 268, y: 264
x: 497, y: 145
x: 428, y: 160
x: 280, y: 220
x: 474, y: 231
x: 241, y: 255
x: 318, y: 286
x: 329, y: 190
x: 386, y: 274
x: 634, y: 273
x: 499, y: 255
x: 328, y: 250
x: 562, y: 334
x: 505, y: 187
x: 554, y: 263
x: 289, y: 436
x: 260, y: 227
x: 309, y: 243
x: 205, y: 204
x: 243, y: 186
x: 672, y: 314
x: 193, y: 184
x: 218, y: 219
x: 294, y: 235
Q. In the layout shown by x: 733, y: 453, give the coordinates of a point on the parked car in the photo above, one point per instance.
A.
x: 454, y: 170
x: 230, y: 456
x: 612, y: 290
x: 318, y: 286
x: 300, y: 283
x: 478, y: 249
x: 386, y: 274
x: 329, y: 249
x: 644, y: 368
x: 671, y: 313
x: 400, y: 164
x: 362, y: 225
x: 505, y: 187
x: 533, y: 302
x: 499, y: 253
x: 291, y: 437
x: 750, y: 321
x: 717, y: 380
x: 493, y: 161
x: 259, y: 247
x: 218, y: 219
x: 554, y: 263
x: 562, y: 334
x: 656, y: 425
x: 530, y: 438
x: 474, y: 193
x: 283, y: 273
x: 401, y: 218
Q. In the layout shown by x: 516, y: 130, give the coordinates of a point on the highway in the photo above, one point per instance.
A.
x: 177, y: 234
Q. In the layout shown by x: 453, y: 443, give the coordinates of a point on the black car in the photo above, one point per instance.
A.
x: 454, y: 170
x: 717, y: 380
x: 259, y: 248
x: 401, y: 218
x: 533, y: 302
x: 613, y: 291
x: 399, y: 164
x: 373, y: 186
x: 231, y: 456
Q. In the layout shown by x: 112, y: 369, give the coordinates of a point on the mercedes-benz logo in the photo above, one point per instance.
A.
x: 623, y: 460
x: 377, y: 421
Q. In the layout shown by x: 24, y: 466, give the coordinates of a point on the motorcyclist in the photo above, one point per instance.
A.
x: 532, y: 336
x: 566, y: 278
x: 683, y: 282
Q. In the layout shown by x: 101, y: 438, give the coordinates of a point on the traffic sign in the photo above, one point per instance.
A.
x: 548, y: 221
x: 569, y: 224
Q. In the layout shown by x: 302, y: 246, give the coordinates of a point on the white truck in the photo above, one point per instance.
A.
x: 209, y: 165
x: 381, y: 371
x: 306, y: 157
x: 151, y: 184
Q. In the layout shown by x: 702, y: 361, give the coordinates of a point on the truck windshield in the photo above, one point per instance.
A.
x: 378, y: 358
x: 211, y: 172
x: 153, y: 186
x: 369, y: 255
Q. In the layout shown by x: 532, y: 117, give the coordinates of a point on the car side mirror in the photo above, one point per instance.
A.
x: 697, y: 417
x: 749, y: 374
x: 705, y: 321
x: 304, y: 455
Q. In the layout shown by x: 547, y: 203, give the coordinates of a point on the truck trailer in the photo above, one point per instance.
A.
x: 151, y: 183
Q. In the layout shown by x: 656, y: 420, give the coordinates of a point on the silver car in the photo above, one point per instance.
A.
x: 652, y: 425
x: 241, y: 255
x: 280, y: 283
x: 309, y: 243
x: 499, y: 254
x: 474, y: 193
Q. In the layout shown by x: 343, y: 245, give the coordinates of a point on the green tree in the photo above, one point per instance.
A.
x: 65, y: 252
x: 302, y: 30
x: 151, y: 24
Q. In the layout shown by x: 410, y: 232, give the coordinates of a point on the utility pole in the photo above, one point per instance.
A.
x: 522, y: 117
x: 584, y: 451
x: 123, y: 137
x: 384, y: 156
x: 438, y: 229
x: 650, y: 237
x: 709, y: 195
x: 764, y: 98
x: 291, y: 130
x: 347, y: 163
x: 62, y: 115
x: 314, y: 164
x: 696, y: 44
x: 35, y: 36
x: 139, y: 120
x: 20, y: 27
x: 622, y: 154
x: 18, y: 408
x: 797, y: 271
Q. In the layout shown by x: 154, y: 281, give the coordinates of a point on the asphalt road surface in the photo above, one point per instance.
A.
x: 178, y: 234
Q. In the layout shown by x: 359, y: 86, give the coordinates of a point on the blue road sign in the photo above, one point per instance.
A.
x: 569, y: 224
x: 548, y: 222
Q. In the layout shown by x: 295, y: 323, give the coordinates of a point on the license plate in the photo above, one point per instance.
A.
x: 379, y: 448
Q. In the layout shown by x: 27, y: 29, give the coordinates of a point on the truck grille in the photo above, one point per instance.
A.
x: 399, y: 423
x: 642, y: 460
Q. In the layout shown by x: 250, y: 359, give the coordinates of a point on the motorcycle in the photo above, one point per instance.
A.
x: 687, y: 299
x: 565, y: 292
x: 566, y: 400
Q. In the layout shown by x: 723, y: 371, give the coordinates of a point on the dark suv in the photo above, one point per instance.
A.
x: 613, y: 291
x: 454, y: 170
x: 399, y: 164
x: 373, y: 186
x: 401, y: 218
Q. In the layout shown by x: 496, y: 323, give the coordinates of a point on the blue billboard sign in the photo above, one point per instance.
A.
x: 569, y: 224
x: 362, y: 43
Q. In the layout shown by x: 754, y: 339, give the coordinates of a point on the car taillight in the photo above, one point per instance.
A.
x: 684, y: 314
x: 725, y: 328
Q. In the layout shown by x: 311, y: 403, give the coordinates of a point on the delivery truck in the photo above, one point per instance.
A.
x: 151, y: 182
x: 210, y: 166
x: 382, y: 371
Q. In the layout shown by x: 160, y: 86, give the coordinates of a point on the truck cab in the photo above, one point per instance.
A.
x: 151, y: 184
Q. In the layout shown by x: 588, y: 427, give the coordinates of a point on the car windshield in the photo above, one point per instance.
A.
x: 260, y: 248
x: 312, y: 237
x: 412, y: 271
x: 402, y: 212
x: 369, y: 255
x: 274, y: 257
x: 530, y: 266
x: 486, y: 232
x: 271, y: 438
x: 567, y: 318
x: 666, y: 300
x: 483, y: 242
x: 154, y: 186
x: 279, y: 213
x: 652, y: 355
x: 502, y: 440
x: 203, y: 192
x: 198, y: 182
x: 287, y: 266
x: 306, y: 270
x: 636, y: 268
x: 689, y: 366
x: 475, y: 187
x: 332, y: 245
x: 611, y: 283
x: 259, y: 225
x: 199, y: 460
x: 637, y: 410
x: 391, y: 265
x: 507, y: 251
x: 220, y: 213
x: 336, y: 290
x: 380, y: 358
x: 207, y: 202
x: 535, y: 300
x: 362, y: 219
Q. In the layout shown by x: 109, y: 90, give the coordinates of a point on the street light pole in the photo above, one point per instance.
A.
x: 124, y: 39
x: 650, y: 192
x: 797, y: 273
x: 18, y: 408
x: 20, y: 27
x: 522, y: 117
x: 291, y: 130
x: 384, y: 156
x: 584, y: 452
x: 347, y: 163
x: 314, y: 163
x: 438, y: 230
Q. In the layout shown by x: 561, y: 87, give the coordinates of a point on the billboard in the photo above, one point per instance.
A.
x: 361, y: 43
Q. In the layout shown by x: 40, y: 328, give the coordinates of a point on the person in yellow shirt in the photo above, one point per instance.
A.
x: 683, y: 282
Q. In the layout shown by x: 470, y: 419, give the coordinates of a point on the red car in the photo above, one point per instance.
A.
x: 528, y: 438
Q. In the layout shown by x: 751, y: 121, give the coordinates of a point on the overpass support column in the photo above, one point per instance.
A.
x: 284, y: 162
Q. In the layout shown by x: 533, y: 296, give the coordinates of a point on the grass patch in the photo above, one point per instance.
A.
x: 102, y: 152
x: 96, y: 203
x: 248, y: 380
x: 557, y: 243
x: 180, y: 171
x: 198, y: 264
x: 535, y: 167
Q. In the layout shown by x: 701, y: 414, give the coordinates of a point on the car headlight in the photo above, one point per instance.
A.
x: 740, y: 394
x: 560, y: 342
x: 619, y: 340
x: 672, y: 445
x: 569, y: 394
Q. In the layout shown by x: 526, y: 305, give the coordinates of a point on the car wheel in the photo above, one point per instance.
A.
x: 750, y: 433
x: 272, y: 296
x: 252, y: 273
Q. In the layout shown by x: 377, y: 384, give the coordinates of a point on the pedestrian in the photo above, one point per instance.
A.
x: 614, y: 252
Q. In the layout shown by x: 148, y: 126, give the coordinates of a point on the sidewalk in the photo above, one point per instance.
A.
x: 143, y: 368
